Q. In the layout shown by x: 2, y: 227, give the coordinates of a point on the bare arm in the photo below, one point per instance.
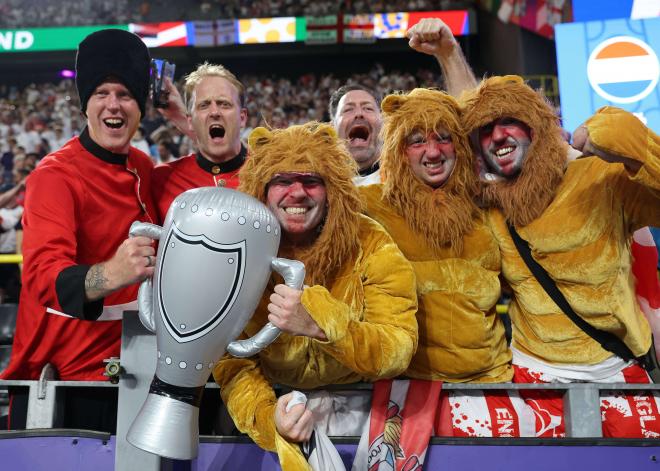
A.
x: 133, y: 262
x: 433, y: 37
x: 176, y: 112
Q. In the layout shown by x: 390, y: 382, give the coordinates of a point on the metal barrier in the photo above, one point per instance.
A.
x: 581, y: 400
x: 138, y: 359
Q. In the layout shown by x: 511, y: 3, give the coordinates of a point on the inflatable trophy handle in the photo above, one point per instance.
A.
x: 293, y: 273
x: 145, y: 293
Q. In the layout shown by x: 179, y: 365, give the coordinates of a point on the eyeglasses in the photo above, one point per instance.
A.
x: 307, y: 180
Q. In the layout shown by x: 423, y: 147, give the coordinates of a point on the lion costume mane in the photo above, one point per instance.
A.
x: 523, y: 198
x: 451, y: 204
x: 296, y: 149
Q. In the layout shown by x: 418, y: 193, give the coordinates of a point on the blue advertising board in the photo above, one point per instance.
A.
x: 611, y: 62
x: 589, y: 10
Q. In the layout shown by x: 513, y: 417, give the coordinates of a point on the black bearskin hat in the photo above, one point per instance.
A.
x: 117, y: 53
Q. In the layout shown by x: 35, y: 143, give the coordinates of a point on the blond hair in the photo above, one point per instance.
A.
x: 210, y: 70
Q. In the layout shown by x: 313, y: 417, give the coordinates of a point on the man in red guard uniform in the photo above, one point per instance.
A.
x: 215, y: 116
x: 80, y: 270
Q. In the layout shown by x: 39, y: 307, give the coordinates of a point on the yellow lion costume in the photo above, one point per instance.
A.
x: 365, y: 305
x: 578, y: 218
x: 453, y: 253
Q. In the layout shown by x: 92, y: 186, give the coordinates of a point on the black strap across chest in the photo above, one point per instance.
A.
x: 607, y: 340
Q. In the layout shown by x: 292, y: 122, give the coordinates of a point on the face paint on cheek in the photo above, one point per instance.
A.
x: 504, y: 145
x: 298, y: 200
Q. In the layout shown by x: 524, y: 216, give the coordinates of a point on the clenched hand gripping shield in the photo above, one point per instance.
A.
x: 216, y: 252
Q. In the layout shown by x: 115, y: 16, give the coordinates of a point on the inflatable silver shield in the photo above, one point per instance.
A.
x: 216, y: 252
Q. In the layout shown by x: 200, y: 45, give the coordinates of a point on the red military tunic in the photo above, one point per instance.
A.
x: 193, y: 171
x: 80, y: 203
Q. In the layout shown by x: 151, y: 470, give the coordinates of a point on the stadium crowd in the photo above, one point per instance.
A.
x: 36, y: 13
x: 40, y: 118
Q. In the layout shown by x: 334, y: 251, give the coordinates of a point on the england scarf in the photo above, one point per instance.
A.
x: 400, y: 426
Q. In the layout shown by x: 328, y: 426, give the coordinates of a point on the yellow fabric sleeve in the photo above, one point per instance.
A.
x: 249, y: 398
x: 251, y: 402
x: 381, y: 343
x: 621, y: 133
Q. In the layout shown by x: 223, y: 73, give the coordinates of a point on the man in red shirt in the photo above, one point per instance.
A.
x: 214, y: 117
x: 80, y: 269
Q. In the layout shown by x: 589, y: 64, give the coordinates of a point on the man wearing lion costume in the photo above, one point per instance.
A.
x: 577, y: 218
x: 426, y: 203
x: 356, y: 319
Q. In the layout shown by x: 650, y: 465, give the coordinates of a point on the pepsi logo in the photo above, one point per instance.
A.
x: 623, y: 69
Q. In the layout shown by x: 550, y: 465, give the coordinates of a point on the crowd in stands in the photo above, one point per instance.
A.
x: 40, y: 118
x: 428, y: 203
x: 213, y: 9
x: 36, y: 13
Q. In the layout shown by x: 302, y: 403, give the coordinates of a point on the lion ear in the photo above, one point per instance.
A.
x: 325, y: 131
x: 259, y: 137
x: 392, y: 103
x: 512, y: 79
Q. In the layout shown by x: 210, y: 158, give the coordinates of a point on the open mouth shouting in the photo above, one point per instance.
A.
x: 216, y: 131
x: 358, y: 135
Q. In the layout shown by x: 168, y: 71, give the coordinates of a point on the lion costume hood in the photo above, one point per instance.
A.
x: 442, y: 215
x: 314, y: 148
x: 524, y: 197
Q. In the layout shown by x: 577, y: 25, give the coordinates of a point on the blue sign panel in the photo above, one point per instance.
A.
x: 612, y: 62
x: 588, y: 10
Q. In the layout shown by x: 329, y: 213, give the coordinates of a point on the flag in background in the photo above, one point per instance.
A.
x: 457, y: 20
x: 169, y: 34
x: 214, y: 33
x: 359, y: 29
x: 390, y: 25
x: 269, y: 30
x: 647, y: 287
x: 321, y: 29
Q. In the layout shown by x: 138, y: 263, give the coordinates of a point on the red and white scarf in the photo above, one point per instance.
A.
x: 401, y: 424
